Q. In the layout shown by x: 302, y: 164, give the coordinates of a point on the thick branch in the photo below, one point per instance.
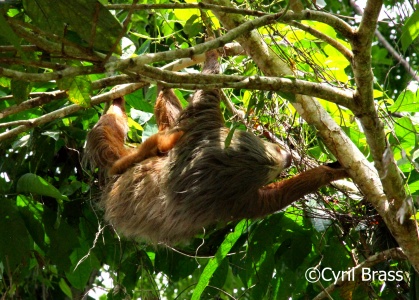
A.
x: 396, y: 55
x: 365, y: 107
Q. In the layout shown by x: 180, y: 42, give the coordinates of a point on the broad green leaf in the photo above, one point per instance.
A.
x: 192, y: 28
x: 31, y: 183
x: 334, y: 253
x: 140, y: 117
x: 31, y: 215
x: 185, y: 14
x: 5, y: 82
x: 406, y: 134
x: 407, y: 101
x: 414, y: 183
x: 89, y: 19
x: 274, y: 242
x: 136, y: 125
x: 215, y: 262
x: 78, y: 88
x: 70, y: 189
x: 336, y: 63
x: 410, y: 30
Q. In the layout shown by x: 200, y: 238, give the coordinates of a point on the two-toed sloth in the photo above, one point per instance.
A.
x: 186, y: 176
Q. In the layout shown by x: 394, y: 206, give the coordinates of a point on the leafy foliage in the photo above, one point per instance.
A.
x: 53, y: 241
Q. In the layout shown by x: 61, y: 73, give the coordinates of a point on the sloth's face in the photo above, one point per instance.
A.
x: 280, y: 156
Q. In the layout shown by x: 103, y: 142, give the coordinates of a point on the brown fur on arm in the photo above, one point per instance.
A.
x: 105, y: 142
x: 278, y: 195
x: 105, y: 147
x: 166, y: 111
x: 156, y: 145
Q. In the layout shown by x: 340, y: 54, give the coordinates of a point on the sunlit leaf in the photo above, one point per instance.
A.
x: 78, y: 88
x: 215, y: 262
x: 410, y: 30
x: 31, y: 183
x: 407, y: 101
x: 65, y: 288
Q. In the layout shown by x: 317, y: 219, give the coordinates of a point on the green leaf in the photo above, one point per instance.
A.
x: 65, y: 288
x: 62, y: 240
x: 15, y: 243
x: 31, y: 215
x: 7, y: 32
x: 31, y: 183
x: 191, y: 28
x: 20, y: 90
x: 83, y: 263
x: 407, y: 101
x: 414, y: 183
x: 89, y: 19
x: 215, y: 262
x: 140, y: 117
x: 227, y: 141
x: 406, y: 134
x: 174, y: 265
x: 265, y: 239
x: 410, y: 30
x: 78, y: 88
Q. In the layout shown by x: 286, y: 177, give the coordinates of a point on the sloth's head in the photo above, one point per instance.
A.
x: 259, y: 155
x: 281, y: 157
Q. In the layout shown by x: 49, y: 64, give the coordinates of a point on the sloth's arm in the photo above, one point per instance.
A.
x: 278, y: 195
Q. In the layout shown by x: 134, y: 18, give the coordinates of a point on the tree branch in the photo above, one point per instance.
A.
x: 65, y: 111
x: 334, y: 43
x: 200, y: 5
x: 205, y: 81
x: 56, y: 75
x: 365, y: 110
x: 388, y: 46
x: 39, y: 99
